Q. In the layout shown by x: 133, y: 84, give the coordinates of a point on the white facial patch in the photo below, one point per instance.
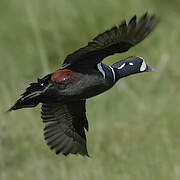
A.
x: 131, y: 64
x: 143, y: 66
x: 122, y: 66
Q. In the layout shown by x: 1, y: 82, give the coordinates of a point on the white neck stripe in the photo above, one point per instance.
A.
x: 99, y: 66
x: 114, y: 77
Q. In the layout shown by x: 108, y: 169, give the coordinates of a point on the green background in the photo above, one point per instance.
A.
x: 134, y: 127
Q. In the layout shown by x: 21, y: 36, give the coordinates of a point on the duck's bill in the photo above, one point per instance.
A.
x: 150, y: 69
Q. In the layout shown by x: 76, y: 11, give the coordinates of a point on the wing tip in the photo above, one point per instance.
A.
x: 81, y: 152
x: 133, y: 19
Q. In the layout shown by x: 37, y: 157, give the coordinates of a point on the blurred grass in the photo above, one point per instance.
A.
x: 134, y: 127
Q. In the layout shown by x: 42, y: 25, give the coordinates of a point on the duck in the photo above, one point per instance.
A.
x: 63, y: 93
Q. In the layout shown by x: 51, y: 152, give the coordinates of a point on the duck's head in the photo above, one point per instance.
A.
x: 130, y: 65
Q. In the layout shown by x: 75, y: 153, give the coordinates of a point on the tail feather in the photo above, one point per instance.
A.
x: 20, y: 104
x: 31, y: 97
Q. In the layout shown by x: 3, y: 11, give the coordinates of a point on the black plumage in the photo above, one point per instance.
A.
x: 63, y: 93
x: 64, y: 127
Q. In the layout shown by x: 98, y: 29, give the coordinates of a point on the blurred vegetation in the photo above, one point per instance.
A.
x: 134, y: 127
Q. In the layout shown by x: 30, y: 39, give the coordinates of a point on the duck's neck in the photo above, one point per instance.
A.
x: 107, y: 72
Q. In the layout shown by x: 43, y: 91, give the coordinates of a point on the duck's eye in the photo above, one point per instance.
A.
x: 42, y: 84
x: 131, y: 64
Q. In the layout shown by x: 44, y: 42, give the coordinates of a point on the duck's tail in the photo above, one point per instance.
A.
x: 31, y: 97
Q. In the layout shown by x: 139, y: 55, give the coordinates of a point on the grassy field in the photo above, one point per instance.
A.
x: 134, y: 128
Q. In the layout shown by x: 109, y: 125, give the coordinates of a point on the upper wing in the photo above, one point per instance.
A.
x: 64, y: 127
x: 116, y: 40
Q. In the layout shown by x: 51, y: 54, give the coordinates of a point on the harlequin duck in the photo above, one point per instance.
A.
x: 63, y: 93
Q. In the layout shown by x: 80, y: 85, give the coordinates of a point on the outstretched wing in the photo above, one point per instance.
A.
x: 116, y: 40
x: 64, y: 127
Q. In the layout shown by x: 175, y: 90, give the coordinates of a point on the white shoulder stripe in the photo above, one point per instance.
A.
x: 99, y: 66
x: 114, y: 77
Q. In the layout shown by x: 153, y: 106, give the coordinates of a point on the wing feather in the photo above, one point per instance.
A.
x: 64, y: 127
x: 116, y: 40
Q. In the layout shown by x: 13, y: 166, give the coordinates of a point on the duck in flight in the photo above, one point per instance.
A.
x: 63, y: 93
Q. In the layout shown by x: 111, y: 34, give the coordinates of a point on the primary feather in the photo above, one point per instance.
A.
x: 116, y: 40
